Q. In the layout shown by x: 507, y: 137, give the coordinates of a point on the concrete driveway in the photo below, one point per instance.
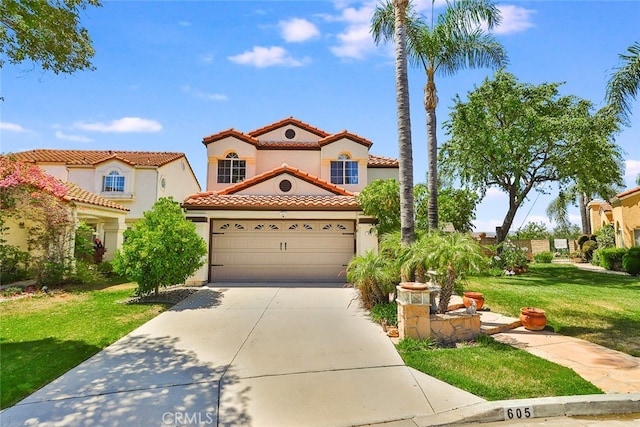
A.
x: 245, y: 357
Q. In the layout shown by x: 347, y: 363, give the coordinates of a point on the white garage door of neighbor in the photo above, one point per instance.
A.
x: 281, y: 250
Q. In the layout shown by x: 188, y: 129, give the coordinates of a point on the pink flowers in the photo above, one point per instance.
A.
x: 15, y: 173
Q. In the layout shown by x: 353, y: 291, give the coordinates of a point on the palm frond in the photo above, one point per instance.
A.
x: 624, y: 84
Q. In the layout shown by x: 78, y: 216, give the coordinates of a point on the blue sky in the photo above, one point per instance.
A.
x: 171, y: 72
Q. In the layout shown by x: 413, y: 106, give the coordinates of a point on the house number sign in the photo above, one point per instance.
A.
x: 518, y: 413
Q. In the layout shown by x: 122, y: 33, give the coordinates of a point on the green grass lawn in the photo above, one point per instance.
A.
x: 496, y: 371
x: 597, y: 307
x: 43, y: 337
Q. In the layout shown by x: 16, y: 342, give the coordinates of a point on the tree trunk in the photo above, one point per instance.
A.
x: 430, y: 104
x: 584, y: 213
x: 508, y: 221
x: 404, y: 127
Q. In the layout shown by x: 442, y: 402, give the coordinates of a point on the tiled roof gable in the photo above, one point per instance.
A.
x: 77, y: 194
x: 382, y: 162
x: 345, y: 134
x: 212, y: 200
x: 288, y: 170
x: 229, y: 133
x: 288, y: 121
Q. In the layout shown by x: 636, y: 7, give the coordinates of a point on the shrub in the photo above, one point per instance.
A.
x: 385, y: 312
x: 611, y: 258
x: 587, y: 249
x: 86, y: 273
x: 106, y: 268
x: 631, y: 261
x: 543, y: 257
x: 372, y: 276
x: 583, y: 238
x: 13, y: 264
x: 606, y: 237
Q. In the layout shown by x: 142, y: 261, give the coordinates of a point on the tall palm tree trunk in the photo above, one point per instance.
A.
x: 404, y: 126
x: 430, y: 103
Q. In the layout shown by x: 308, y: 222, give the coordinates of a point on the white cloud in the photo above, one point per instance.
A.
x: 356, y: 40
x: 514, y: 19
x: 298, y: 30
x: 632, y: 170
x: 494, y: 193
x: 262, y: 57
x: 74, y: 138
x: 11, y: 127
x: 123, y: 125
x: 204, y: 95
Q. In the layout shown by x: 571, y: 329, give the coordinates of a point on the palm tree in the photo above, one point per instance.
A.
x: 624, y: 83
x: 453, y: 255
x: 373, y: 275
x: 454, y: 42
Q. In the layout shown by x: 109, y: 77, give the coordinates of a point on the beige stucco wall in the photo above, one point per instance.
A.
x: 179, y: 182
x: 302, y: 135
x: 57, y: 171
x: 305, y: 160
x: 382, y: 173
x: 299, y: 187
x: 85, y: 178
x: 626, y: 219
x: 357, y: 152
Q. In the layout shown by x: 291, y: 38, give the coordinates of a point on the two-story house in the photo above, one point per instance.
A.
x: 281, y: 205
x: 134, y: 180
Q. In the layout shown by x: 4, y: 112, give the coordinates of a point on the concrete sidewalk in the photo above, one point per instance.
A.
x: 240, y: 357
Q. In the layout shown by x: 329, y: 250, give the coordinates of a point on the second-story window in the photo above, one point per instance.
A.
x: 114, y: 182
x: 231, y: 169
x: 344, y: 170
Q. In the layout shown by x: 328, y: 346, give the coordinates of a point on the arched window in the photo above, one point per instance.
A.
x: 231, y: 169
x: 113, y: 182
x: 344, y: 170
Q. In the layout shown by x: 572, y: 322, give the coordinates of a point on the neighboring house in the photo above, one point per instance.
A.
x: 132, y: 179
x: 85, y: 206
x: 281, y: 203
x: 623, y: 212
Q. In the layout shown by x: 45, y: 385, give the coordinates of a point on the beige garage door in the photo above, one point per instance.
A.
x: 281, y: 250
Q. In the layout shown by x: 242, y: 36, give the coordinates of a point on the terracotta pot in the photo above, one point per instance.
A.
x: 533, y: 319
x: 476, y: 296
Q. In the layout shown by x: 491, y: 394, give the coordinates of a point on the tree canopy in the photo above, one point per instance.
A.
x: 381, y: 199
x: 162, y: 249
x: 47, y: 32
x: 520, y: 137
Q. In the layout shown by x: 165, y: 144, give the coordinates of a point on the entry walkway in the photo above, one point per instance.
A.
x: 245, y: 357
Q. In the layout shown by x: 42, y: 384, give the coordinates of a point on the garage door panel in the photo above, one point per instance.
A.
x: 271, y: 250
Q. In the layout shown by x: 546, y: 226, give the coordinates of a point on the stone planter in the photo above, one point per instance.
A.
x: 476, y: 296
x: 533, y: 319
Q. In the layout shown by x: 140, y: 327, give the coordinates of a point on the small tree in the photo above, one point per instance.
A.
x: 162, y: 249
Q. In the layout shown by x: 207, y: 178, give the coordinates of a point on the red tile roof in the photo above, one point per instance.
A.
x: 344, y: 134
x: 288, y: 121
x: 77, y: 194
x: 628, y: 193
x: 382, y: 162
x: 211, y: 200
x: 230, y: 132
x: 94, y: 157
x: 285, y: 169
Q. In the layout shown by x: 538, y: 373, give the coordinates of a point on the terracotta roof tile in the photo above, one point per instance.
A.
x: 94, y: 157
x: 382, y: 162
x: 261, y: 202
x: 288, y: 170
x: 229, y: 132
x: 77, y: 194
x: 628, y: 193
x: 345, y: 134
x: 288, y: 121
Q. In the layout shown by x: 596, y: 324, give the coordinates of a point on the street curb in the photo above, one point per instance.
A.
x: 544, y: 407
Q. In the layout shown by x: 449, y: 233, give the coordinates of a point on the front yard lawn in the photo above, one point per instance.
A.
x: 43, y: 337
x: 597, y: 307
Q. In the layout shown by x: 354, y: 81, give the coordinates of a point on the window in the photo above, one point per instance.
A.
x: 344, y: 170
x: 231, y: 169
x: 114, y: 182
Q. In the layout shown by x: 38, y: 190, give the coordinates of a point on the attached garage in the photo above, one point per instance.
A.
x: 272, y: 250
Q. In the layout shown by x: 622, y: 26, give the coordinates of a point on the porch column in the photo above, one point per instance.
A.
x: 113, y: 237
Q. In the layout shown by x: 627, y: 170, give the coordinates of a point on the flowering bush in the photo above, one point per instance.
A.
x: 508, y: 257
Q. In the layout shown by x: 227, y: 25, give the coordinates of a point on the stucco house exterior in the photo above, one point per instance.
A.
x: 623, y: 212
x: 280, y: 204
x: 127, y: 181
